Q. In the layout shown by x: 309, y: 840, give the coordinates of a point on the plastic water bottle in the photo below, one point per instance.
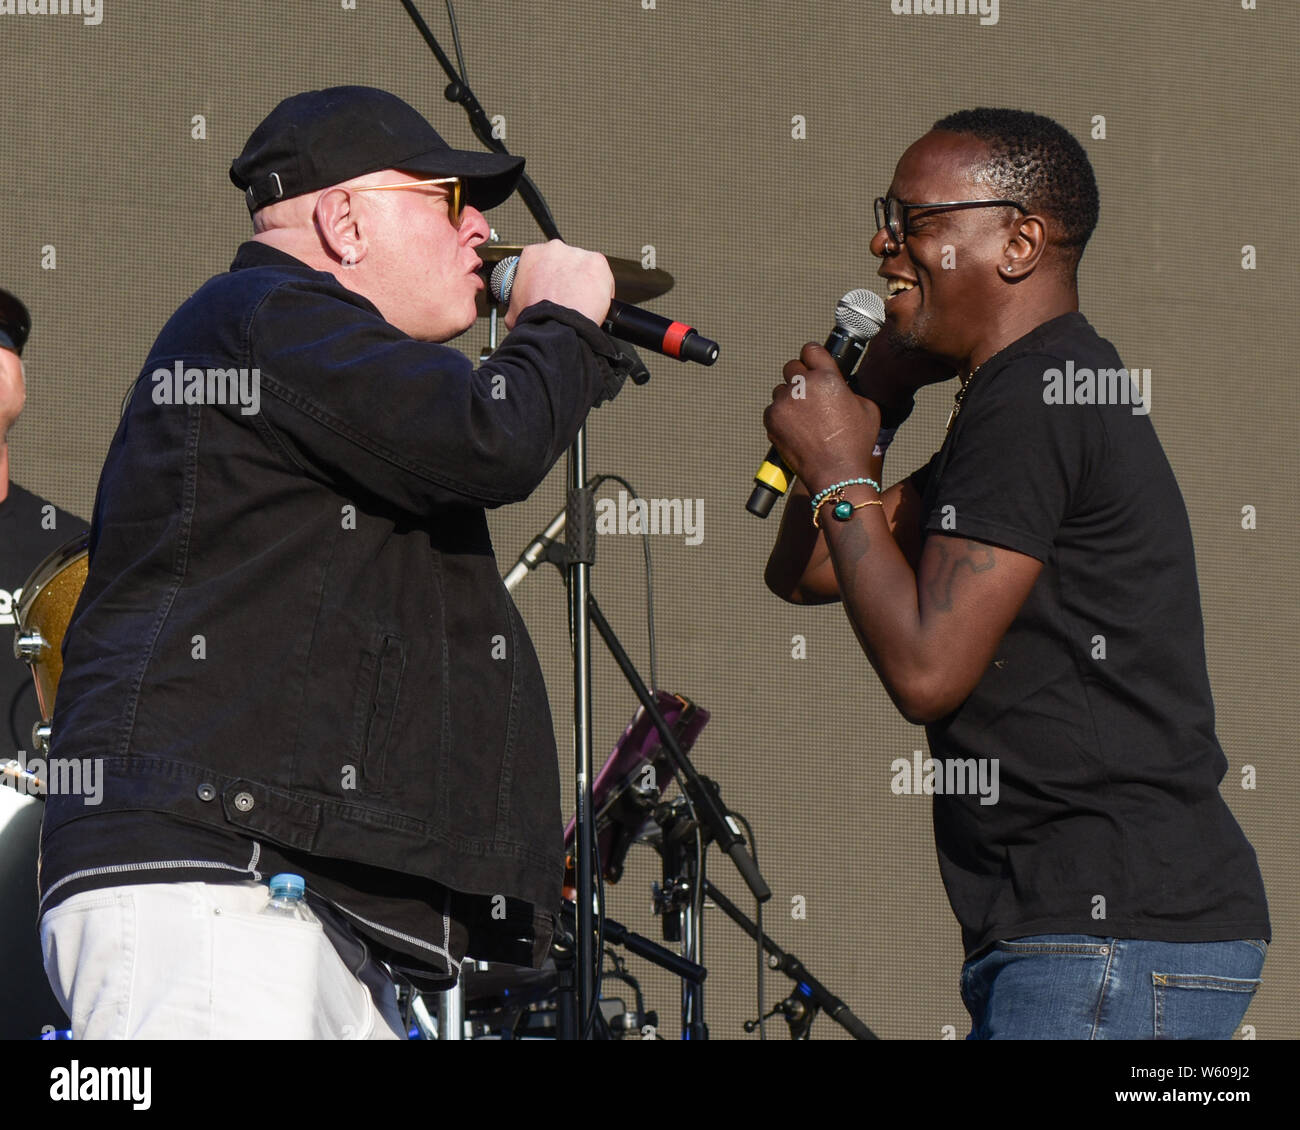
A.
x: 287, y: 899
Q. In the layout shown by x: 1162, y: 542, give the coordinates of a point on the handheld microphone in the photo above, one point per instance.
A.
x: 627, y: 322
x: 858, y: 318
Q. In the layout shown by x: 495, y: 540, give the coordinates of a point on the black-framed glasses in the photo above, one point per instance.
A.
x: 891, y: 213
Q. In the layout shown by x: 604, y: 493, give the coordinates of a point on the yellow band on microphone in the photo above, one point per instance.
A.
x: 771, y: 475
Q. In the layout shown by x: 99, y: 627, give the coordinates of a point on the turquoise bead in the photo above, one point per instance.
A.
x: 844, y: 511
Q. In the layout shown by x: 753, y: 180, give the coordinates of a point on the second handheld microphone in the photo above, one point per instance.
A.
x: 858, y: 318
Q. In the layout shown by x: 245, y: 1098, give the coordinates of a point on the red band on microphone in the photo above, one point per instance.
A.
x: 673, y: 338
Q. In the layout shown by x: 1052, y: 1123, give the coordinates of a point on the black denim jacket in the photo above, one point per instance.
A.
x: 293, y: 625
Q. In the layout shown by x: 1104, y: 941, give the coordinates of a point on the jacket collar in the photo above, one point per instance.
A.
x: 252, y: 253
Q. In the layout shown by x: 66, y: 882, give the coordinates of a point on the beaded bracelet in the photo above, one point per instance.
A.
x: 820, y: 496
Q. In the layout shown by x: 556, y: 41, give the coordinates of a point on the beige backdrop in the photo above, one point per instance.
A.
x: 670, y: 129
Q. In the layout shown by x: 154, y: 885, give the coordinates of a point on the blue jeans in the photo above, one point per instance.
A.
x: 1080, y: 987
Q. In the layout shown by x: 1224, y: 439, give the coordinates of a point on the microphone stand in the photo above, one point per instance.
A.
x: 580, y: 539
x: 800, y: 1008
x: 459, y: 92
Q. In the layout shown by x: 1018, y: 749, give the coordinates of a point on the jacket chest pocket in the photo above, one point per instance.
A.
x: 379, y: 681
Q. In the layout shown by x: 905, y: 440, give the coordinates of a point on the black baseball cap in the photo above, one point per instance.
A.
x: 15, y: 323
x: 323, y: 137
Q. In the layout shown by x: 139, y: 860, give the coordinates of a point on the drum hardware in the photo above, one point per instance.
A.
x: 451, y: 1012
x: 536, y: 1022
x: 614, y: 1014
x: 43, y: 614
x: 637, y: 1023
x: 798, y: 1014
x: 630, y: 783
x: 508, y: 1002
x: 496, y: 1001
x: 426, y: 1027
x: 28, y: 646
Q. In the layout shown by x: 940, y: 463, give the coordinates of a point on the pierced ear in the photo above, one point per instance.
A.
x: 338, y: 225
x: 1025, y: 247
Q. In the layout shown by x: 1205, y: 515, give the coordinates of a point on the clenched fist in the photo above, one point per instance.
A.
x: 567, y: 276
x: 822, y: 430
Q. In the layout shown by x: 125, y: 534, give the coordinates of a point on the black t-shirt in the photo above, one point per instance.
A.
x: 1097, y: 707
x: 30, y: 530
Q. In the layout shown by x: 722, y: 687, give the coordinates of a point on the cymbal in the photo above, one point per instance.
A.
x: 632, y: 282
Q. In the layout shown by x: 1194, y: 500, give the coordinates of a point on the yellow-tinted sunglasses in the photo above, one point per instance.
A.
x: 454, y: 193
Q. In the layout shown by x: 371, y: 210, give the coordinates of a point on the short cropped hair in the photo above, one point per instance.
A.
x: 1037, y: 163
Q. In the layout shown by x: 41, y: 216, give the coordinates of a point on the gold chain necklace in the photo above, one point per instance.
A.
x: 959, y: 397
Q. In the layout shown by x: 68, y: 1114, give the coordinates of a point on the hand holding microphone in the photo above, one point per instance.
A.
x: 555, y: 272
x: 818, y: 425
x: 858, y: 318
x: 521, y: 280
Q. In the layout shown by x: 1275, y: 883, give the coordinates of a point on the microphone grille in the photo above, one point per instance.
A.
x: 503, y: 278
x: 860, y: 314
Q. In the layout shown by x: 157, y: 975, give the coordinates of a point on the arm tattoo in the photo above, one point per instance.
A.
x: 848, y: 558
x: 972, y: 556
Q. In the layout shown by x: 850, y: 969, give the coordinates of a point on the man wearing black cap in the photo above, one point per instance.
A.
x: 30, y: 530
x: 293, y: 650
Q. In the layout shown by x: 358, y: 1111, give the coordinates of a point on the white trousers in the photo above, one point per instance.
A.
x: 196, y: 961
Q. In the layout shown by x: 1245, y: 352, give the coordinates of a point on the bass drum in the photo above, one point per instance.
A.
x: 43, y: 615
